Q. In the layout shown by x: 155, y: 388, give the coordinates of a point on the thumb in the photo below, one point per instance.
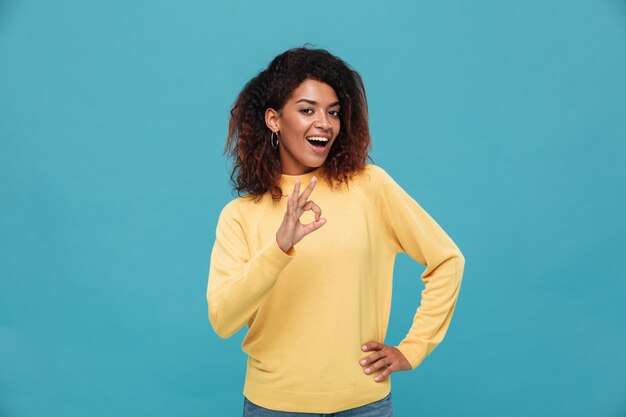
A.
x: 314, y: 225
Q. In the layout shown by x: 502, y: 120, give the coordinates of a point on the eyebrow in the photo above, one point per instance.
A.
x: 336, y: 103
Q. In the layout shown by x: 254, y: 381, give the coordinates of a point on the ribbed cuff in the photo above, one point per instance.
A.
x: 273, y: 259
x: 415, y: 353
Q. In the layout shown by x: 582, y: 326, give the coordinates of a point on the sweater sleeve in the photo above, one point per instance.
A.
x: 409, y: 229
x: 238, y: 281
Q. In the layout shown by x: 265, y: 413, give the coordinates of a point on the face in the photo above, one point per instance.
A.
x: 308, y: 125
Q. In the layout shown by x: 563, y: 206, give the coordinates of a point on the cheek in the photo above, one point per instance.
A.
x: 337, y: 126
x: 296, y: 126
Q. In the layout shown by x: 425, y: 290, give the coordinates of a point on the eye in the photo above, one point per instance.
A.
x: 306, y: 111
x: 335, y: 113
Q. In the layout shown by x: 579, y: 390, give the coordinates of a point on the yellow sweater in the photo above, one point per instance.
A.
x: 309, y: 312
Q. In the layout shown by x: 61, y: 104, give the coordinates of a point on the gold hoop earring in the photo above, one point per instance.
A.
x: 274, y: 144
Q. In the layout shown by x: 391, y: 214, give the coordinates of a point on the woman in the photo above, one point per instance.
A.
x: 315, y: 291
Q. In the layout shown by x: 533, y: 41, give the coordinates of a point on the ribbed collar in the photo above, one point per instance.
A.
x: 287, y: 182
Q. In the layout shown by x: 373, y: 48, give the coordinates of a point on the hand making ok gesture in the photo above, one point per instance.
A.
x: 291, y: 231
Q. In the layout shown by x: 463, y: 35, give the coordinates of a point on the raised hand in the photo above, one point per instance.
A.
x: 388, y: 358
x: 291, y: 231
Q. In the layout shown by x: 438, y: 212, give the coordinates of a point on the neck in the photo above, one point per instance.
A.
x: 288, y: 181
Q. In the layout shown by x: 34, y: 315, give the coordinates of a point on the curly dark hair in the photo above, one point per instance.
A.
x: 256, y: 165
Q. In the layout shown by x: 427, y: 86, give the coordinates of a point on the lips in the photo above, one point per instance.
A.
x: 318, y: 141
x: 317, y: 146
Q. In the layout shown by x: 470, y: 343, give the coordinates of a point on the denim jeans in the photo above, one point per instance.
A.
x: 380, y: 408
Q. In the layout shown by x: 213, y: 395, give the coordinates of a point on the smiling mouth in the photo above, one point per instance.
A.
x: 318, y: 141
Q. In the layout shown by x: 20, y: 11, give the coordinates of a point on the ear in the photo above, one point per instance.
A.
x: 272, y: 119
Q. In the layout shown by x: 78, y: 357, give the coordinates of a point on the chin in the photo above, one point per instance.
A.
x: 316, y: 164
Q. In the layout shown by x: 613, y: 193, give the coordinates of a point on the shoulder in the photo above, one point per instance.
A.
x: 235, y: 219
x: 373, y: 184
x: 375, y: 176
x: 237, y: 209
x: 376, y: 170
x: 381, y: 186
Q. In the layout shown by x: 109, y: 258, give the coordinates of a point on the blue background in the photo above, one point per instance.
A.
x: 505, y: 120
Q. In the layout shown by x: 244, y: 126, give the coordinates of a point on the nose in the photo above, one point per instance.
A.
x: 322, y: 121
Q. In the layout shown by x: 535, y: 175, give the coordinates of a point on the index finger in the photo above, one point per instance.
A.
x: 307, y: 191
x: 296, y: 190
x: 372, y: 346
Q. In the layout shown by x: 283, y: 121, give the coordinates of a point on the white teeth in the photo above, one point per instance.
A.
x: 318, y: 138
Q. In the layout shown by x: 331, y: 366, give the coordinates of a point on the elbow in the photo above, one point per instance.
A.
x: 460, y: 260
x: 219, y: 330
x: 460, y: 265
x: 218, y: 327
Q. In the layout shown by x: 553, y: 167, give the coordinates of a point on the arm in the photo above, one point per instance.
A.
x: 409, y: 229
x: 237, y: 281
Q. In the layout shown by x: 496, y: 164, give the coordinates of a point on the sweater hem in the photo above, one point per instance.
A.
x: 315, y: 402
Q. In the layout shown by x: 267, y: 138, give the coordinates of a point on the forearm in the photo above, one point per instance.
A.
x: 432, y: 318
x: 233, y: 295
